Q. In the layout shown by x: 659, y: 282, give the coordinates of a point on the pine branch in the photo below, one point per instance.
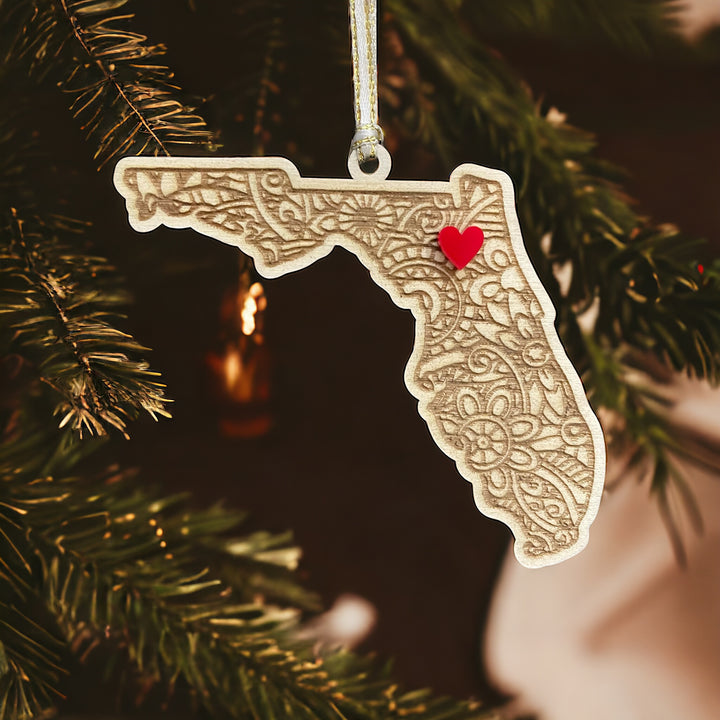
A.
x: 259, y: 566
x: 574, y: 199
x: 60, y: 324
x: 30, y: 664
x: 31, y: 655
x: 641, y: 273
x: 14, y: 150
x: 118, y: 566
x: 648, y: 287
x: 641, y: 279
x: 252, y: 108
x: 156, y: 584
x: 657, y: 300
x: 636, y: 25
x: 126, y: 102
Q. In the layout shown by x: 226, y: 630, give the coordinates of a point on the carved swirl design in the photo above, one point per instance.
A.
x: 493, y: 383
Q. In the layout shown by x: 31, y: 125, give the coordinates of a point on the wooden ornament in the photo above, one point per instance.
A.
x: 492, y: 380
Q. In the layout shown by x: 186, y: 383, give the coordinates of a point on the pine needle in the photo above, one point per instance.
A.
x: 130, y: 581
x: 125, y: 101
x: 60, y: 320
x: 651, y: 297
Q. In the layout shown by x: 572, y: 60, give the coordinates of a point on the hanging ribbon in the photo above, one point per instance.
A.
x: 363, y: 31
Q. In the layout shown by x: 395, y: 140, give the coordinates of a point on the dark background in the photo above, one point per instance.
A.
x: 349, y: 465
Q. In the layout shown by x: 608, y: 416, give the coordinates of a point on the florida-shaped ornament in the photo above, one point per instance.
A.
x: 492, y: 380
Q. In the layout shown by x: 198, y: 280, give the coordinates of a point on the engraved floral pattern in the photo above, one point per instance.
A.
x: 366, y: 216
x: 491, y: 379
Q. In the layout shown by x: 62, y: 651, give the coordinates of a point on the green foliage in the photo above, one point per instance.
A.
x: 30, y: 662
x: 636, y: 25
x: 640, y: 279
x: 117, y: 565
x: 96, y: 564
x: 58, y: 322
x: 124, y: 100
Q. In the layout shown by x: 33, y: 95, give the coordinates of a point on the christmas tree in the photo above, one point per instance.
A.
x: 105, y: 575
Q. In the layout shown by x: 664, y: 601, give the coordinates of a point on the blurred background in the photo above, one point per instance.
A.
x: 288, y: 394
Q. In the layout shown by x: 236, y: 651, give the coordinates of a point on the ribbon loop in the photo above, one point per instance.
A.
x: 363, y: 32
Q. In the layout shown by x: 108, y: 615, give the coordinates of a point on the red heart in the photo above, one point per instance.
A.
x: 460, y: 248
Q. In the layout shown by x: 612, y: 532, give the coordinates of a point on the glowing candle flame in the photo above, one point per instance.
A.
x: 254, y: 301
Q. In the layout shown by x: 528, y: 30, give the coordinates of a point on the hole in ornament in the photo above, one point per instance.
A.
x: 376, y: 169
x: 370, y: 166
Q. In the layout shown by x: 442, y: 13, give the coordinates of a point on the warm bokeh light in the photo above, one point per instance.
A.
x: 347, y: 623
x: 253, y: 301
x: 232, y: 368
x: 240, y: 365
x: 698, y: 16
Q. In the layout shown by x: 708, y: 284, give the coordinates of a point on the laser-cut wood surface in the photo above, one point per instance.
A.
x: 492, y: 380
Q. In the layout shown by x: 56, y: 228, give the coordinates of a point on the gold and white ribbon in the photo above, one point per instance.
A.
x: 363, y: 31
